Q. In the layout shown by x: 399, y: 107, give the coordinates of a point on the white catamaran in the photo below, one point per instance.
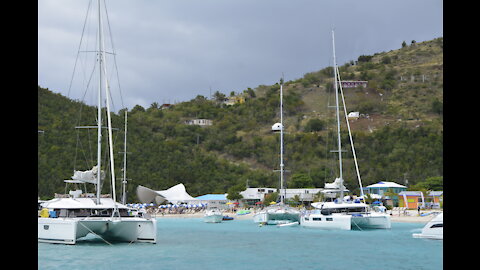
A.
x: 342, y: 214
x: 71, y: 216
x: 279, y: 213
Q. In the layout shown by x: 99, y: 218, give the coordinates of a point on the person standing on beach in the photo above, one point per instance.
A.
x: 418, y: 209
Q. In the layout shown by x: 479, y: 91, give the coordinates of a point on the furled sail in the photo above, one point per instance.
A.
x: 335, y: 185
x: 89, y: 176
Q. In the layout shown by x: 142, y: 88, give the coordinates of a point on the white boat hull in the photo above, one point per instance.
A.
x: 327, y: 222
x: 432, y: 230
x: 372, y: 221
x: 213, y: 218
x: 69, y: 230
x: 275, y: 217
x: 346, y: 222
x: 428, y: 236
x: 291, y: 224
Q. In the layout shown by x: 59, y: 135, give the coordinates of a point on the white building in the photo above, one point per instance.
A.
x: 256, y: 194
x: 253, y: 195
x: 214, y: 200
x: 353, y: 115
x: 353, y: 84
x: 304, y: 194
x: 199, y: 122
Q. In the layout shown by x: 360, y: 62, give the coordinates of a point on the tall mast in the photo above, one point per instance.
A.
x: 338, y: 118
x: 109, y: 118
x: 281, y: 142
x: 124, y: 199
x: 99, y: 117
x: 350, y: 136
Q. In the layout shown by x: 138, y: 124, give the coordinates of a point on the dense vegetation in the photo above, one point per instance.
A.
x: 400, y: 137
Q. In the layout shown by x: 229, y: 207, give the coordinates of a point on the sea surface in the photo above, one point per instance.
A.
x: 241, y: 244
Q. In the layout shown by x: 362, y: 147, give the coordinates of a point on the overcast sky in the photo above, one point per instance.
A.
x: 172, y: 51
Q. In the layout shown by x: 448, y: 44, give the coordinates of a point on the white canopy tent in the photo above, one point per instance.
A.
x: 175, y: 194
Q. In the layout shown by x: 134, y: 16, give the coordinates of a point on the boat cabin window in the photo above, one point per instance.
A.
x: 123, y: 212
x: 326, y: 212
x: 329, y: 219
x: 439, y: 225
x: 317, y: 219
x: 261, y: 190
x: 329, y: 211
x: 71, y: 213
x: 63, y: 213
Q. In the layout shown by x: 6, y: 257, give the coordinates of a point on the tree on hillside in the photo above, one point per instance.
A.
x: 300, y: 180
x: 314, y: 125
x: 365, y: 58
x: 219, y: 96
x: 234, y: 193
x: 386, y: 60
x: 138, y: 108
x: 437, y: 106
x: 431, y: 183
x: 251, y: 93
x: 404, y: 44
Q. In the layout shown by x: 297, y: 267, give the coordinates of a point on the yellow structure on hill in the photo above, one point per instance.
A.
x: 234, y: 100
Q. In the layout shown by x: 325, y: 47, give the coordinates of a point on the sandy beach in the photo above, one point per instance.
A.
x: 410, y: 216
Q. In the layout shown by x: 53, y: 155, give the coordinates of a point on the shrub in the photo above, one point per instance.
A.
x: 314, y: 125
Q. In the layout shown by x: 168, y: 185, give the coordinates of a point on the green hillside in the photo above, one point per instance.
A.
x: 402, y: 136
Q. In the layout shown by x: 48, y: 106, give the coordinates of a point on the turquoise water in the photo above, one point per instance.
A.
x: 241, y: 244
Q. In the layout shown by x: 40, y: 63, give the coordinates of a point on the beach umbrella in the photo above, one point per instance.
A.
x: 236, y: 203
x: 259, y: 203
x: 151, y: 204
x: 273, y: 203
x: 229, y: 203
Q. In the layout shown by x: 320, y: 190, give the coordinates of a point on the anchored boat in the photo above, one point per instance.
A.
x: 342, y: 214
x: 433, y: 229
x: 71, y: 216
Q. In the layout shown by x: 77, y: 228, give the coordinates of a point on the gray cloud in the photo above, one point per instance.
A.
x: 173, y: 50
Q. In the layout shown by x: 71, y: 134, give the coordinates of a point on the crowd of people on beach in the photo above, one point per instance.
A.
x: 181, y: 210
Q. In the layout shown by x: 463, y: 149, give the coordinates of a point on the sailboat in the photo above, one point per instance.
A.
x: 69, y: 217
x: 343, y: 214
x: 278, y: 213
